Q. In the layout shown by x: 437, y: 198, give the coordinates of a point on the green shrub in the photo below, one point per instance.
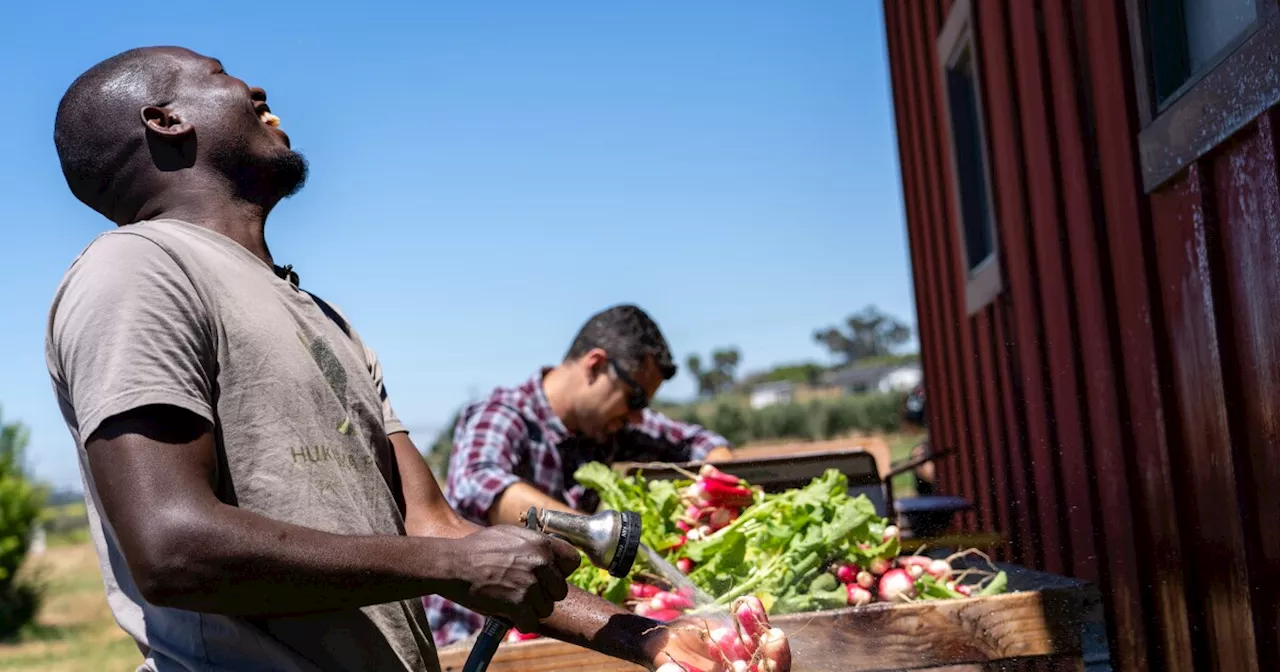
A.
x: 781, y: 421
x: 731, y: 420
x: 816, y: 420
x: 20, y: 502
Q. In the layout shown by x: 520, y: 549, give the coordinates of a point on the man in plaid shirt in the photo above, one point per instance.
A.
x: 520, y: 446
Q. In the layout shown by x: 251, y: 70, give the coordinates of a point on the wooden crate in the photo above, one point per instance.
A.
x: 1045, y: 618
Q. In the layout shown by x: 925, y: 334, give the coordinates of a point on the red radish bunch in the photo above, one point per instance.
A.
x: 715, y: 489
x: 749, y: 645
x: 713, y: 502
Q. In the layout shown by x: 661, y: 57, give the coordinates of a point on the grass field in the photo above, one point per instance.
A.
x: 74, y: 630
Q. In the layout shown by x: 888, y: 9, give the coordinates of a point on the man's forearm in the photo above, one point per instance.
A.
x: 517, y: 499
x: 719, y: 454
x: 232, y: 561
x: 426, y: 511
x: 592, y: 622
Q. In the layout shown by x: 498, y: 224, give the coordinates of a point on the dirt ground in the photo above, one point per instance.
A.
x: 881, y: 447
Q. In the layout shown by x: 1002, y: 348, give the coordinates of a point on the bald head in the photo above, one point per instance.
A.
x: 99, y: 133
x: 150, y: 123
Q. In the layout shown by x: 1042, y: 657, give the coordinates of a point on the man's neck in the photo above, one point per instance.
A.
x: 236, y: 219
x: 558, y: 386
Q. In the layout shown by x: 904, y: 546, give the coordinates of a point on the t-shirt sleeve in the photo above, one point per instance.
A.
x: 389, y: 418
x: 128, y: 329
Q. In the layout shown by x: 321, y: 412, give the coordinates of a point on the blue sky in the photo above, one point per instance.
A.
x: 486, y: 175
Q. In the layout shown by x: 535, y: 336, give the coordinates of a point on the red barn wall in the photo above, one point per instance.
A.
x: 1116, y: 409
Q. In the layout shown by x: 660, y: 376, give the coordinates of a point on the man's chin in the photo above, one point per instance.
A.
x: 292, y: 171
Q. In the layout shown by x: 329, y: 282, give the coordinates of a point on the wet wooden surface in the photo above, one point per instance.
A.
x: 1041, y: 623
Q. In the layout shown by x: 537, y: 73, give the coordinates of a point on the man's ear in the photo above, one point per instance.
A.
x: 166, y: 123
x: 596, y: 362
x: 171, y: 140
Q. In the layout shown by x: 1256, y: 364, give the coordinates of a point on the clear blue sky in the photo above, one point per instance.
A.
x: 486, y: 175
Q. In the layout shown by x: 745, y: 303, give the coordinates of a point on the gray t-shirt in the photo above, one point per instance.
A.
x: 166, y: 312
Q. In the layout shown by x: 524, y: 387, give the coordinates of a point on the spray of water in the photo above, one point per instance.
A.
x: 705, y: 606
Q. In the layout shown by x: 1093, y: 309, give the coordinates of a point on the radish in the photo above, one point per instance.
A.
x: 695, y: 513
x: 865, y: 580
x: 642, y: 591
x: 896, y: 586
x: 740, y: 666
x: 752, y: 620
x: 725, y: 642
x: 697, y: 492
x: 890, y: 532
x: 878, y: 566
x: 911, y: 560
x: 706, y: 531
x: 685, y: 565
x: 720, y: 494
x: 683, y: 525
x: 665, y: 600
x: 664, y: 615
x: 775, y: 651
x: 858, y: 595
x: 939, y: 569
x: 693, y: 535
x: 915, y: 571
x: 847, y: 573
x: 720, y: 518
x: 964, y: 590
x: 641, y: 608
x: 710, y: 473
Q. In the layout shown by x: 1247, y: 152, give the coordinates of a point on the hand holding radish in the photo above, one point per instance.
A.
x: 749, y: 645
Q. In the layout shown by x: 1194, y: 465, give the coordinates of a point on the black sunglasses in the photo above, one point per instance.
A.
x: 637, y: 400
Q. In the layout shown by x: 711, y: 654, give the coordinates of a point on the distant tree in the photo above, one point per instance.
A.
x: 722, y: 374
x: 20, y: 502
x: 807, y: 373
x: 438, y: 453
x: 871, y: 333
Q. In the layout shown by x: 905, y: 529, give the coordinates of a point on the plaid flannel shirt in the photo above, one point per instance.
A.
x: 514, y: 436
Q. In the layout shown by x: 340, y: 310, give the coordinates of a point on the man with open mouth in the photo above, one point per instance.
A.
x: 254, y: 500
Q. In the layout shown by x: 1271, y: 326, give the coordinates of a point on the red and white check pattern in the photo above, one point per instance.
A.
x: 513, y: 435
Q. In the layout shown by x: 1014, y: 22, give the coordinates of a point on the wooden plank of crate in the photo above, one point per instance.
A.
x: 877, y: 637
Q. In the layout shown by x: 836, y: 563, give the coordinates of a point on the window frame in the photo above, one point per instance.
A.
x: 1210, y: 106
x: 985, y: 281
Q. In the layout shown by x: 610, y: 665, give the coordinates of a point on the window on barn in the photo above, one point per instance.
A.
x: 1189, y: 58
x: 1188, y: 36
x: 970, y: 172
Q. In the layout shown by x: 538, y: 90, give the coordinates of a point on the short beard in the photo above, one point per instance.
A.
x: 291, y: 173
x: 269, y: 180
